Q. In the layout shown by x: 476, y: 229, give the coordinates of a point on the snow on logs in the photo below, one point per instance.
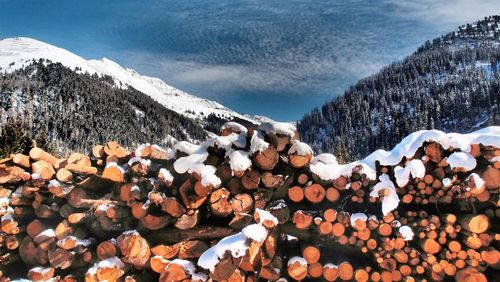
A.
x: 254, y: 203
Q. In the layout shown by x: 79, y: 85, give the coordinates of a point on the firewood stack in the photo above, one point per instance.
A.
x: 254, y: 204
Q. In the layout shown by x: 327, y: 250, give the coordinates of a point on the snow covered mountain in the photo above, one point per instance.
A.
x: 16, y: 53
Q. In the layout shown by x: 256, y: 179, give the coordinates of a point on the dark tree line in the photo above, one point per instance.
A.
x: 79, y: 110
x: 451, y: 84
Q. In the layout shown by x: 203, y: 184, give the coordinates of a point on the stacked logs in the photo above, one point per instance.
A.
x: 248, y: 205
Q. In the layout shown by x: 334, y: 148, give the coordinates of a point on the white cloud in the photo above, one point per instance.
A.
x: 448, y: 12
x: 225, y: 79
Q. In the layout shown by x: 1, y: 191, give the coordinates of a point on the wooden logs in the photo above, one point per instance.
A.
x: 250, y: 179
x: 172, y: 206
x: 296, y: 194
x: 21, y: 160
x: 219, y: 203
x: 470, y: 274
x: 141, y: 217
x: 81, y: 169
x: 297, y: 268
x: 302, y: 220
x: 134, y: 248
x: 114, y: 149
x: 113, y: 172
x: 39, y: 154
x: 315, y: 193
x: 491, y: 177
x: 311, y: 254
x: 346, y: 271
x: 267, y: 159
x: 43, y: 168
x: 476, y: 224
x: 330, y: 272
x: 271, y: 181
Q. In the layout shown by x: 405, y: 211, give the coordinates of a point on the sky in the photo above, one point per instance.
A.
x: 274, y: 58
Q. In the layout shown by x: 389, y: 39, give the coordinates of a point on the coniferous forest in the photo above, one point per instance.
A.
x: 451, y: 84
x: 76, y: 110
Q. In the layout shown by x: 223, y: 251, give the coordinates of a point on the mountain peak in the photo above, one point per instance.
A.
x: 18, y: 52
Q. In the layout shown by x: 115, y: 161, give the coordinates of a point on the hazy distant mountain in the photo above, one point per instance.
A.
x: 81, y: 102
x: 451, y: 83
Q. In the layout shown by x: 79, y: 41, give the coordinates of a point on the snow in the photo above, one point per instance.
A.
x: 134, y: 160
x: 21, y: 51
x: 54, y: 183
x: 391, y: 199
x: 113, y: 164
x: 190, y: 269
x: 186, y: 147
x: 406, y: 232
x: 194, y: 164
x: 257, y: 143
x: 47, y: 233
x: 256, y: 232
x: 396, y: 223
x: 197, y: 154
x: 236, y: 127
x: 239, y: 160
x: 4, y: 201
x: 478, y: 181
x: 331, y: 266
x: 415, y: 167
x: 7, y: 217
x: 300, y: 260
x: 131, y: 233
x: 462, y: 160
x: 113, y: 262
x: 325, y: 158
x: 358, y: 216
x: 105, y: 207
x: 140, y: 148
x: 280, y: 204
x: 166, y: 175
x: 447, y: 182
x: 326, y: 167
x: 170, y: 154
x: 236, y: 244
x: 300, y: 148
x: 36, y: 176
x: 79, y: 242
x: 227, y: 142
x: 208, y: 177
x: 274, y: 127
x: 266, y: 216
x: 41, y: 270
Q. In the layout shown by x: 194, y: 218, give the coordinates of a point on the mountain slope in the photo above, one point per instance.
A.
x: 78, y: 110
x: 16, y: 53
x: 451, y: 84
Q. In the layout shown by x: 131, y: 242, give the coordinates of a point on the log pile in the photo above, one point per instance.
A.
x: 253, y: 204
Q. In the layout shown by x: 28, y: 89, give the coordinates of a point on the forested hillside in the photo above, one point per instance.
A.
x: 451, y: 84
x: 78, y: 110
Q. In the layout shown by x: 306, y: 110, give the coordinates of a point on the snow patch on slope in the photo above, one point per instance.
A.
x: 16, y: 53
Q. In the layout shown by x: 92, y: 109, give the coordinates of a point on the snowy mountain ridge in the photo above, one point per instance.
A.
x: 16, y: 53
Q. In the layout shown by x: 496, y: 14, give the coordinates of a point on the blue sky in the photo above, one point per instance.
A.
x: 275, y: 58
